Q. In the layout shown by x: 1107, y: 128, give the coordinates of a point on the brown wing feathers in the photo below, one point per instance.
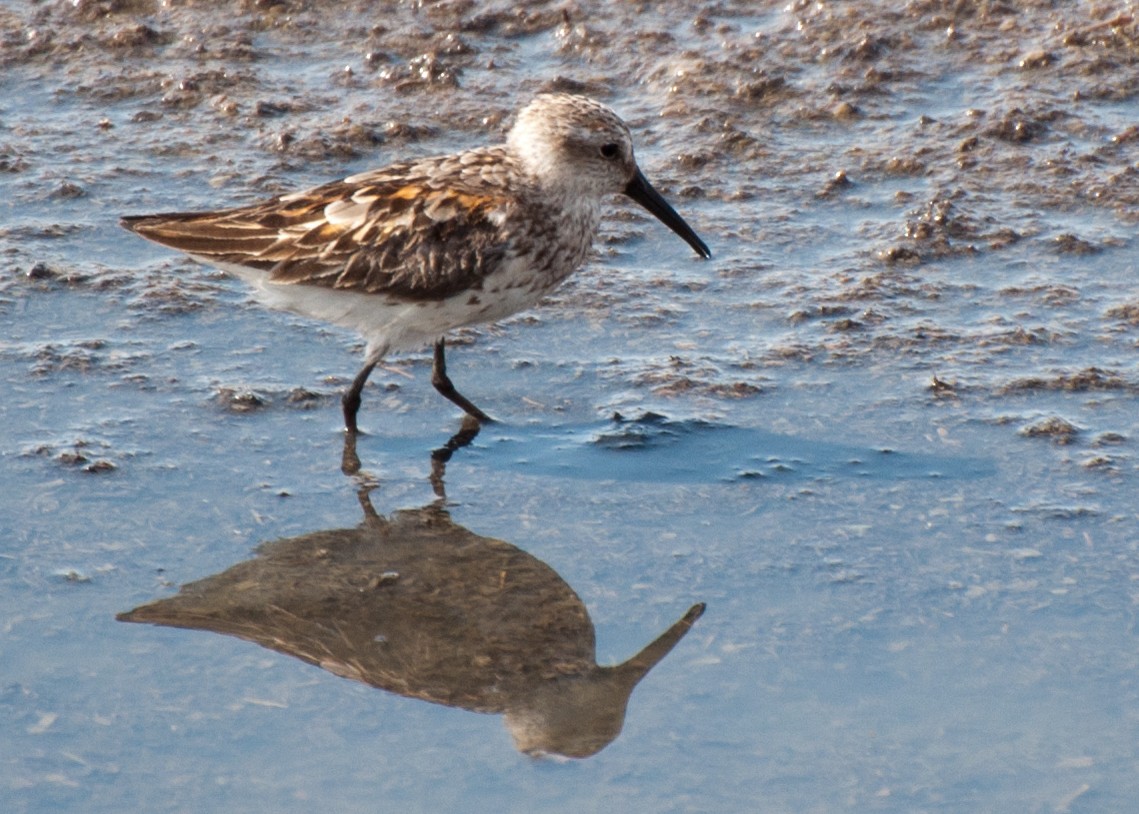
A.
x: 399, y: 236
x: 201, y: 234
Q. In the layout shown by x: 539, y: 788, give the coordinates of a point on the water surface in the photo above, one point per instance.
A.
x: 886, y: 434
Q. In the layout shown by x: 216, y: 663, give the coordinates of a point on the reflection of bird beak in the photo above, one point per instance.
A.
x: 639, y: 665
x: 641, y: 191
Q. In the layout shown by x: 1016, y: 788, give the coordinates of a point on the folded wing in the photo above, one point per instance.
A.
x: 401, y: 231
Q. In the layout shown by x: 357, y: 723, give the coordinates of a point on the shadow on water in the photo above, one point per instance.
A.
x: 654, y: 448
x: 417, y: 605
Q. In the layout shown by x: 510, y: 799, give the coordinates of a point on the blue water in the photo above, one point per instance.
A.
x: 914, y: 604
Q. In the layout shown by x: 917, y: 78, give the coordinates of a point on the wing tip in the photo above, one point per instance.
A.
x: 132, y: 223
x: 146, y: 224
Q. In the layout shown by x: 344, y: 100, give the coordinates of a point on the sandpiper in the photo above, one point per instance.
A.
x: 405, y: 253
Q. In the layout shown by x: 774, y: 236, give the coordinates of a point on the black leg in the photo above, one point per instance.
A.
x: 468, y: 430
x: 351, y: 399
x: 448, y: 391
x: 349, y: 460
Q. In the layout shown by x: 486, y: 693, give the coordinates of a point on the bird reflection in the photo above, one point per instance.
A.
x: 420, y: 606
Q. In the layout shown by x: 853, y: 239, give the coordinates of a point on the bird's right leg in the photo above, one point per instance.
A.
x: 351, y: 399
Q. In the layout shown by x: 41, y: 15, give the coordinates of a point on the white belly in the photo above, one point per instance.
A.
x: 389, y: 323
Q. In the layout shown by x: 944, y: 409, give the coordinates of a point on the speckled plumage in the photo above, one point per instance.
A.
x: 405, y: 253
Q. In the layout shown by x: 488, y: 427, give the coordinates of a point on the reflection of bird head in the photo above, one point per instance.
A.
x: 574, y: 716
x: 579, y: 715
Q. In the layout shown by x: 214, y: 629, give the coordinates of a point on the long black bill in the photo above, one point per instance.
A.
x: 641, y: 191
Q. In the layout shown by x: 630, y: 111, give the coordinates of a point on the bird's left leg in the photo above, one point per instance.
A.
x: 443, y: 384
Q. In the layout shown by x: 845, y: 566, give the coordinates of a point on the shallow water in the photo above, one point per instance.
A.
x: 886, y: 434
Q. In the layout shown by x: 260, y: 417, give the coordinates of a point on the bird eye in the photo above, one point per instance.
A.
x: 610, y: 150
